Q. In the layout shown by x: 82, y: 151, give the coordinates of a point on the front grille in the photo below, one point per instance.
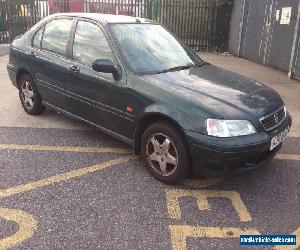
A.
x: 273, y: 120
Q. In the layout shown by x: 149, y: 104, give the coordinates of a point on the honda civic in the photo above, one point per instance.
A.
x: 133, y: 79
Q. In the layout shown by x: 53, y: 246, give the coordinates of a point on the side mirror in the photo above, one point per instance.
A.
x: 106, y: 66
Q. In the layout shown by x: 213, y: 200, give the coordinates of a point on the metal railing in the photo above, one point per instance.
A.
x: 202, y: 24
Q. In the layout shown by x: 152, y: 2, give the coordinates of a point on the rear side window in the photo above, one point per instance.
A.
x: 37, y: 38
x: 90, y: 43
x: 56, y: 36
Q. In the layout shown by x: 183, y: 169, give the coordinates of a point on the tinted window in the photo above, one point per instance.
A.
x: 37, y: 38
x: 56, y: 36
x: 90, y: 43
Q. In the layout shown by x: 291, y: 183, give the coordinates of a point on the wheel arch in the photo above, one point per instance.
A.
x: 149, y: 118
x: 20, y: 72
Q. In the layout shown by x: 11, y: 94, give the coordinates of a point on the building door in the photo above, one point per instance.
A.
x: 284, y: 18
x: 295, y: 70
x: 268, y: 31
x: 255, y: 30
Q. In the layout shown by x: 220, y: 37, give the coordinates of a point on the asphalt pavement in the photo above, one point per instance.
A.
x: 120, y: 206
x: 65, y: 185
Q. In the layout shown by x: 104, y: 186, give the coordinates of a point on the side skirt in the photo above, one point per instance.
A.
x: 104, y: 130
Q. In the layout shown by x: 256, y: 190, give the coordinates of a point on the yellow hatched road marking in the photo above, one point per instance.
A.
x: 26, y: 222
x: 288, y: 157
x: 64, y: 176
x: 202, y: 196
x: 27, y: 226
x: 63, y: 148
x: 180, y: 233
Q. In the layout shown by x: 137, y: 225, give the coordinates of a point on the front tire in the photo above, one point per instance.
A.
x: 30, y: 98
x: 166, y: 153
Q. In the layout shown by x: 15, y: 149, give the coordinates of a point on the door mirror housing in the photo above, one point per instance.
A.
x: 106, y: 66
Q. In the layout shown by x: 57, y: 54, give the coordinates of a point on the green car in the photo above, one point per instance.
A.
x: 136, y: 81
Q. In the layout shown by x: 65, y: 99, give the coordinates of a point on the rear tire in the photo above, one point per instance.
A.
x: 165, y: 152
x: 30, y: 98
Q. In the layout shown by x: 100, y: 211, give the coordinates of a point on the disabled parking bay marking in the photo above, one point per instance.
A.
x: 173, y: 196
x: 27, y: 226
x: 26, y: 222
x: 180, y: 233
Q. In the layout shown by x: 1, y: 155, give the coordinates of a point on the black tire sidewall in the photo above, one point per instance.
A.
x: 178, y: 139
x: 37, y: 107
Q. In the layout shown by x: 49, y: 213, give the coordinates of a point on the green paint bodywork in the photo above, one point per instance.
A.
x: 185, y: 98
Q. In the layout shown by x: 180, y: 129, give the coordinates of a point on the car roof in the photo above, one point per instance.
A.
x: 107, y: 18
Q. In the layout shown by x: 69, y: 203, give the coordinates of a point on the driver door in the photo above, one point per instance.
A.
x: 94, y: 96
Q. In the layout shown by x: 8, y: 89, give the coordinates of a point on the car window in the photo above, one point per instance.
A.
x: 56, y: 36
x: 37, y: 38
x: 151, y: 49
x: 90, y: 43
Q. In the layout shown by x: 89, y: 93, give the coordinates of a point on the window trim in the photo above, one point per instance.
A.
x: 34, y: 34
x: 42, y: 26
x: 78, y: 19
x: 69, y: 53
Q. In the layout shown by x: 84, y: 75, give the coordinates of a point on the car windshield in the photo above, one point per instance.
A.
x: 151, y: 49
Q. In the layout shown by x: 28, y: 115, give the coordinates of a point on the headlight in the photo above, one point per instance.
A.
x: 229, y: 128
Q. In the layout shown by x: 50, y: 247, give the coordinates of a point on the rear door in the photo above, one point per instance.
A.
x: 48, y: 60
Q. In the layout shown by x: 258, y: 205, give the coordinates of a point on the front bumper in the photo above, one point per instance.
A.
x: 213, y: 156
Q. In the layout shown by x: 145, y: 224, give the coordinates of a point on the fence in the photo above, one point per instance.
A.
x: 202, y: 24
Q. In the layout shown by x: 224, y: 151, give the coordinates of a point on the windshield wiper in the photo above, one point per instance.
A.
x: 178, y: 68
x: 200, y: 64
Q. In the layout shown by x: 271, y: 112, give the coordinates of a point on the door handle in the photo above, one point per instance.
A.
x: 74, y: 68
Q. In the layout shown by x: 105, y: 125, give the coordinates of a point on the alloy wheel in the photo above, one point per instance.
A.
x: 162, y: 154
x: 27, y: 94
